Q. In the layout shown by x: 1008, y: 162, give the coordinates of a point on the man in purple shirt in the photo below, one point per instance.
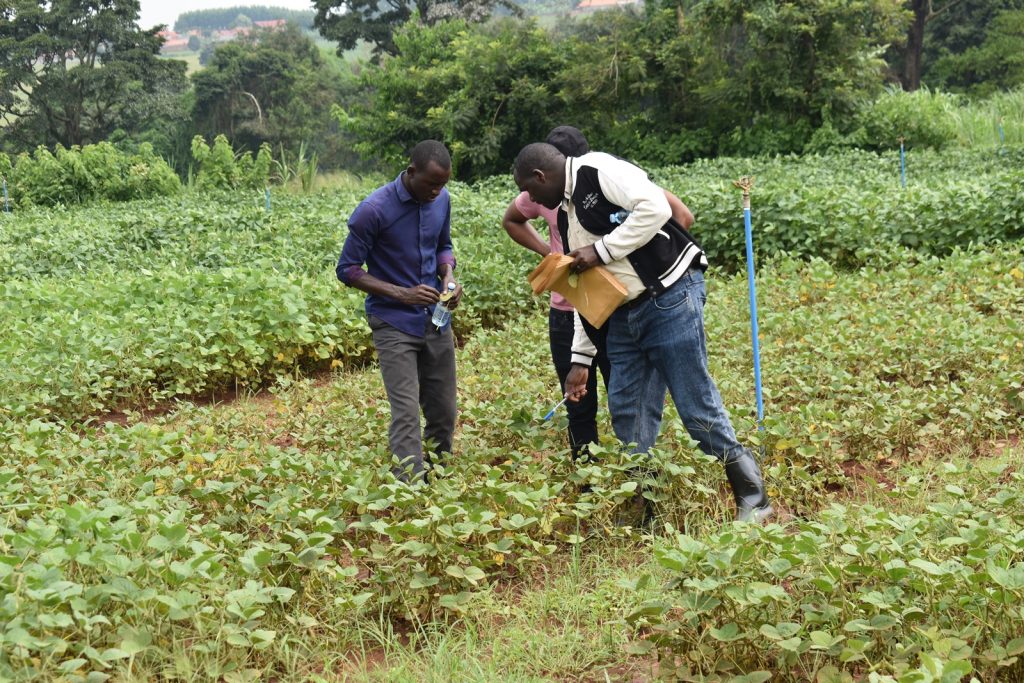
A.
x: 402, y: 233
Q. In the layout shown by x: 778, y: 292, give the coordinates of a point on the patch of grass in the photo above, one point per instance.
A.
x: 190, y: 58
x: 979, y: 121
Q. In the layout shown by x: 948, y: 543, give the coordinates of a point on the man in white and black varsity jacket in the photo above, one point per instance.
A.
x: 616, y: 217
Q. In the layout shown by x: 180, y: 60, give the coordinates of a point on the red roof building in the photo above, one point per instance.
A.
x: 588, y: 6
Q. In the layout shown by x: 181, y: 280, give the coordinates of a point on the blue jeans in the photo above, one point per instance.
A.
x: 583, y: 414
x: 664, y: 337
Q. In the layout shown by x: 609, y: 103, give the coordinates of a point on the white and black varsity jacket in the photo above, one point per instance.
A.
x: 613, y: 205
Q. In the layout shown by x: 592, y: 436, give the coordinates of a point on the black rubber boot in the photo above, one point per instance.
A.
x: 752, y: 504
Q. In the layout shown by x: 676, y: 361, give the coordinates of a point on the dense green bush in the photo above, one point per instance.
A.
x: 274, y: 87
x: 924, y: 118
x: 83, y: 174
x: 214, y: 283
x: 220, y: 168
x: 657, y: 86
x: 469, y: 88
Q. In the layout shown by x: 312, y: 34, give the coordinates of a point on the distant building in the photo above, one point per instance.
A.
x: 229, y: 34
x: 591, y: 6
x: 232, y: 33
x: 173, y: 42
x: 178, y: 42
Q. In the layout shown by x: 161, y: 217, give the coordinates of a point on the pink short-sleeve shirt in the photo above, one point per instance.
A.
x: 532, y: 210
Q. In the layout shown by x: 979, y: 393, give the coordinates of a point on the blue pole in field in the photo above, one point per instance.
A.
x: 7, y: 203
x: 903, y: 165
x: 266, y: 194
x: 745, y: 184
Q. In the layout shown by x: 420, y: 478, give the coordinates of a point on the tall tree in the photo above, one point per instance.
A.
x: 346, y: 22
x: 941, y: 31
x: 923, y: 12
x: 75, y: 72
x: 997, y: 63
x: 975, y: 46
x: 484, y: 92
x: 271, y: 86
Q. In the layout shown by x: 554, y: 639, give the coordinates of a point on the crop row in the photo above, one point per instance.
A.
x: 934, y: 596
x: 849, y: 208
x: 846, y: 208
x: 108, y: 306
x: 241, y: 534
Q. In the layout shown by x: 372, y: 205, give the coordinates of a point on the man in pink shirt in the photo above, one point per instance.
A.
x: 582, y: 414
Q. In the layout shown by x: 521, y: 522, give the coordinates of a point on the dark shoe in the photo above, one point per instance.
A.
x: 752, y: 504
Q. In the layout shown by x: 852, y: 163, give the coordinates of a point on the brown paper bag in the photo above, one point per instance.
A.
x: 596, y: 295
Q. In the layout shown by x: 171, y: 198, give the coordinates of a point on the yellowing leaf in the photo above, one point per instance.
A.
x: 499, y: 559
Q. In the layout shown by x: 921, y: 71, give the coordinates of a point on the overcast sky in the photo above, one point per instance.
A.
x: 166, y: 11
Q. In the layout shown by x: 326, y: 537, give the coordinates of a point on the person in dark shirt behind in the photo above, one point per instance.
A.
x: 402, y: 233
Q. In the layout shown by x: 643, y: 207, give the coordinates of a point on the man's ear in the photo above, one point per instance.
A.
x: 539, y: 175
x: 410, y: 171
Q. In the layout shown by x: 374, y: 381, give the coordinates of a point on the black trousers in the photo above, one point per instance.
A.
x: 582, y: 414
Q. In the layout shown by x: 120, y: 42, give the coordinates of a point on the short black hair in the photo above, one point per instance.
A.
x: 430, y: 150
x: 539, y: 155
x: 568, y: 140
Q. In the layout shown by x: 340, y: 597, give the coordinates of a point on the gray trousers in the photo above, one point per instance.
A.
x: 418, y: 372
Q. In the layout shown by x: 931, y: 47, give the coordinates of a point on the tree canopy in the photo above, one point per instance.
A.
x: 347, y: 22
x: 668, y: 85
x: 74, y: 73
x: 224, y: 18
x: 272, y: 86
x: 975, y: 46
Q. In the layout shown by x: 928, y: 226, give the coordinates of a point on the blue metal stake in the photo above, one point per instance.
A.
x: 903, y: 165
x: 7, y: 203
x: 745, y: 184
x: 266, y: 194
x: 1002, y: 138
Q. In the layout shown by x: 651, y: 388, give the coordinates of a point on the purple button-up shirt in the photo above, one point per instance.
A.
x: 402, y: 242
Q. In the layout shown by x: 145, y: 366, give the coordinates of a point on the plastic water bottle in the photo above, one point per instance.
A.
x: 441, y: 313
x: 618, y: 217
